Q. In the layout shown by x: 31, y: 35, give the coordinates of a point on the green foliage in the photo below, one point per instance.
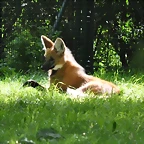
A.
x: 21, y: 33
x: 118, y: 32
x: 117, y: 119
x: 24, y: 51
x: 106, y: 57
x: 119, y: 35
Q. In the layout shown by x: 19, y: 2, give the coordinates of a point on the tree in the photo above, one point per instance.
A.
x: 101, y: 34
x: 1, y: 42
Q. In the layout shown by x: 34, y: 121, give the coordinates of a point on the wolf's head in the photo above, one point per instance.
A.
x: 54, y: 53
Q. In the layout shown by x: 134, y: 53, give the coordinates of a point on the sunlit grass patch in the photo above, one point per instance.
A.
x: 117, y: 119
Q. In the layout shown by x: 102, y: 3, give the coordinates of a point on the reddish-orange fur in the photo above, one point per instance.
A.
x: 70, y: 73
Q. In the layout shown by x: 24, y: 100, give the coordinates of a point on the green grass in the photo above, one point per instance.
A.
x: 115, y: 120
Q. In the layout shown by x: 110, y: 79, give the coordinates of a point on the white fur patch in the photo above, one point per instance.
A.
x: 58, y: 67
x: 75, y: 93
x: 44, y: 48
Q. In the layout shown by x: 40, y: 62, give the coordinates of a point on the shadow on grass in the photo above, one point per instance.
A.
x: 104, y: 120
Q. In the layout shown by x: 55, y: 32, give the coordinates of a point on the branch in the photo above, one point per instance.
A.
x: 58, y: 17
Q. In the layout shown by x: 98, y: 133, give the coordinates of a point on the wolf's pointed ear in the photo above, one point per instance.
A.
x: 59, y: 45
x: 47, y: 43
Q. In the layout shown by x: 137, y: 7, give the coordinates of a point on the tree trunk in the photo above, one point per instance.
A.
x: 84, y: 33
x: 57, y: 21
x: 1, y: 40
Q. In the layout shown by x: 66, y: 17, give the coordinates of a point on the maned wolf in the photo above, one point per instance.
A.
x: 67, y: 74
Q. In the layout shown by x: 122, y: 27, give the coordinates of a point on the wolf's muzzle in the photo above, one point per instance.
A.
x: 49, y: 64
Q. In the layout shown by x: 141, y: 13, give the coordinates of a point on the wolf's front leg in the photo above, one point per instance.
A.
x: 34, y: 84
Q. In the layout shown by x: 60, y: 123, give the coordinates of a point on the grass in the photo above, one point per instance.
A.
x: 115, y: 120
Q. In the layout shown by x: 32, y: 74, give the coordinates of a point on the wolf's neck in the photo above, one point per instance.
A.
x: 69, y: 62
x: 69, y: 58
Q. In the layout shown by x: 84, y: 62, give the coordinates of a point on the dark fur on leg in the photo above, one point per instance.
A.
x: 34, y: 84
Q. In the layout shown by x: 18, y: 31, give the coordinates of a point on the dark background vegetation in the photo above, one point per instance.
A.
x: 101, y: 34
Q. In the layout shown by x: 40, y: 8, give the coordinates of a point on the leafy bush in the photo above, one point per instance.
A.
x: 24, y: 51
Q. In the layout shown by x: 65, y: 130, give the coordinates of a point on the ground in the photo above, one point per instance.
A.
x: 24, y: 112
